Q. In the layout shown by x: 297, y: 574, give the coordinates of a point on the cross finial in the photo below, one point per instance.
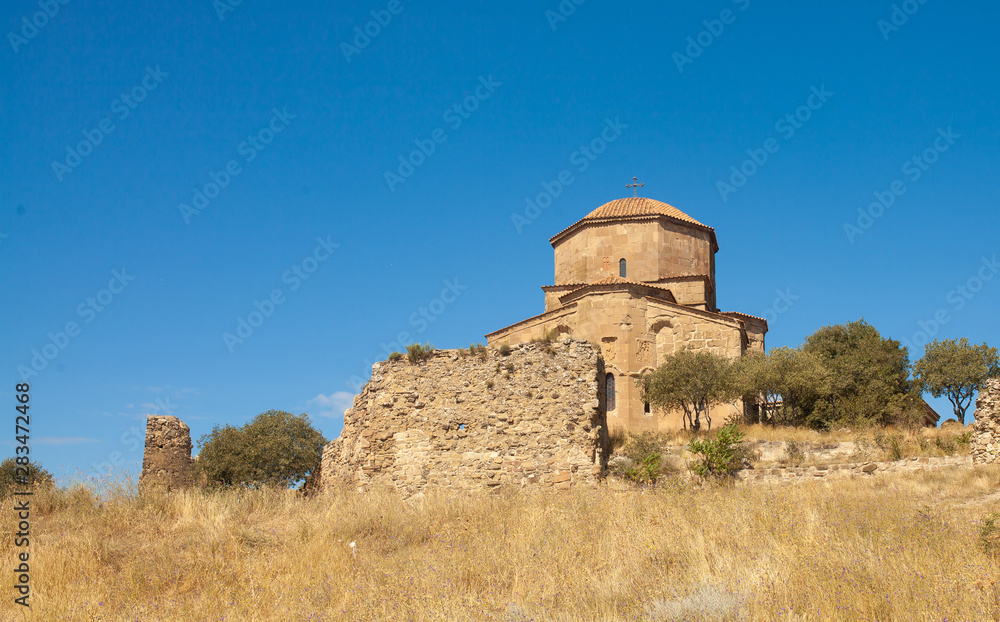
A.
x: 635, y: 186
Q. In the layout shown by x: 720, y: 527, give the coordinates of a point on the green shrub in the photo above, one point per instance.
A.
x: 504, y: 350
x: 417, y: 353
x: 509, y: 367
x: 489, y: 384
x: 395, y: 356
x: 722, y: 456
x: 643, y: 455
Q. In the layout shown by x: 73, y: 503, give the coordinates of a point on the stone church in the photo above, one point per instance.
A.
x: 637, y: 277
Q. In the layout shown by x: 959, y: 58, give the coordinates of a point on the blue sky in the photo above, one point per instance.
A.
x: 166, y: 169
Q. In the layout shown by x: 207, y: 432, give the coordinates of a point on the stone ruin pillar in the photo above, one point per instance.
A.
x: 985, y: 444
x: 166, y: 461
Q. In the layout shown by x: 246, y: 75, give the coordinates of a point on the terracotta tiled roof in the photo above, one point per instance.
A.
x: 743, y: 315
x: 613, y: 280
x: 634, y: 207
x: 617, y: 280
x: 638, y: 206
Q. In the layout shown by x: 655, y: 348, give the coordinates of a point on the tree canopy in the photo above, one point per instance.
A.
x: 869, y: 374
x: 692, y: 382
x: 784, y: 381
x: 276, y: 448
x: 956, y: 369
x: 11, y: 476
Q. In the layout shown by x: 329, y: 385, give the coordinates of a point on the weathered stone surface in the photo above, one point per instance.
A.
x: 470, y: 422
x: 791, y: 475
x: 985, y: 445
x: 166, y: 460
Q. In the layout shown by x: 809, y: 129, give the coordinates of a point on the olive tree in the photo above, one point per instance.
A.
x: 783, y: 381
x: 956, y: 369
x: 691, y: 382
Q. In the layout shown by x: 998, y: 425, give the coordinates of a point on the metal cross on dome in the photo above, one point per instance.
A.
x: 634, y: 186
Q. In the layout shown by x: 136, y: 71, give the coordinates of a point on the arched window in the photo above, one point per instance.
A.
x: 611, y: 391
x: 621, y: 268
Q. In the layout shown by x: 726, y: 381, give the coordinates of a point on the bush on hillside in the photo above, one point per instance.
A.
x: 722, y: 456
x: 12, y: 476
x: 417, y: 353
x: 277, y: 448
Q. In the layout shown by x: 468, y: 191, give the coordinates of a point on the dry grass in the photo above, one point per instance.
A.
x: 883, y: 548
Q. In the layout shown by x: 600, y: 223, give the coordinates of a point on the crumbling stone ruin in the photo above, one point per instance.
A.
x: 476, y: 420
x: 166, y: 461
x: 985, y: 444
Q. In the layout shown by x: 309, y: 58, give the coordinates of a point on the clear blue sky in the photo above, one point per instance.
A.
x: 275, y: 126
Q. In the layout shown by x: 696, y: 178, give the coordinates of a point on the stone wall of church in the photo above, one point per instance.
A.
x: 652, y: 250
x: 985, y: 445
x: 534, y: 417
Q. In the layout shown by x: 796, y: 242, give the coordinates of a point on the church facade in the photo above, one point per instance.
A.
x: 637, y: 277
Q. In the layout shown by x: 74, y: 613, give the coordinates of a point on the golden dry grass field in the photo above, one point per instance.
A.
x: 894, y: 547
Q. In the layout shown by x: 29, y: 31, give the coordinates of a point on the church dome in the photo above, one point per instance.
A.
x: 631, y: 208
x: 638, y: 206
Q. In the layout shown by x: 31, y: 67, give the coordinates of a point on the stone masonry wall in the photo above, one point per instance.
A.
x: 985, y: 445
x: 848, y: 470
x: 465, y: 421
x: 166, y: 460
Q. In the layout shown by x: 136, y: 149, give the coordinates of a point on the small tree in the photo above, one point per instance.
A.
x: 722, y: 456
x: 956, y: 369
x: 276, y: 448
x: 691, y: 382
x: 784, y: 380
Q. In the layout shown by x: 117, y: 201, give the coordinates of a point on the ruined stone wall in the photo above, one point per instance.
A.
x: 789, y: 475
x: 985, y: 445
x: 532, y: 418
x: 166, y: 460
